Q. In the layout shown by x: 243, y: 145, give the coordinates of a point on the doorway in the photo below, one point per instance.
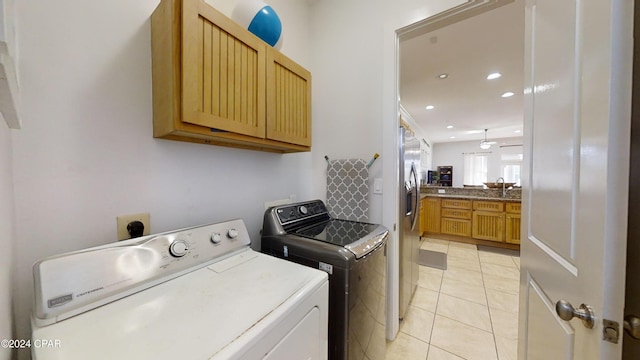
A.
x: 609, y: 22
x: 477, y: 296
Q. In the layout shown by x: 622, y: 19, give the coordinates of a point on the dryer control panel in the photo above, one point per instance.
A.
x: 75, y: 282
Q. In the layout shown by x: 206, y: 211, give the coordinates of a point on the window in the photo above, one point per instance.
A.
x: 511, y: 164
x: 475, y: 168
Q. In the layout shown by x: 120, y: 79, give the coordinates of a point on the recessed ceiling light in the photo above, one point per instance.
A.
x: 493, y: 76
x: 450, y: 127
x: 452, y: 137
x: 443, y: 76
x: 429, y: 107
x: 517, y: 131
x: 507, y: 94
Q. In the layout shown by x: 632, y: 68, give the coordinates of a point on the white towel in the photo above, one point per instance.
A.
x: 348, y: 189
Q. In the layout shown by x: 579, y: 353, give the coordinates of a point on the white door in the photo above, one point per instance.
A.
x: 577, y: 115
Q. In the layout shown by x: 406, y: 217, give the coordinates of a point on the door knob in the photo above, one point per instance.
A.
x: 632, y: 326
x: 566, y: 311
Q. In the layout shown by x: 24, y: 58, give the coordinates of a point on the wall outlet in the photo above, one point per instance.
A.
x: 269, y: 204
x: 123, y: 220
x: 441, y: 191
x: 290, y: 200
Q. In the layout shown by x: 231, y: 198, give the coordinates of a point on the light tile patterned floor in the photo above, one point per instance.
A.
x: 467, y: 312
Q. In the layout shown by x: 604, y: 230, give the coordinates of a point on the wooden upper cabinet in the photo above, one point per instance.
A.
x: 214, y: 82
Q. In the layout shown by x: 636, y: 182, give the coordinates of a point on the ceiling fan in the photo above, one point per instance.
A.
x: 484, y: 144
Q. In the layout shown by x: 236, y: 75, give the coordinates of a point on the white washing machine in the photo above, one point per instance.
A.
x: 196, y: 293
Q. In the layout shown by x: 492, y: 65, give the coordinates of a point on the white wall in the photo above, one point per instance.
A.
x: 348, y: 46
x: 7, y: 236
x: 445, y: 154
x: 346, y: 112
x: 86, y: 152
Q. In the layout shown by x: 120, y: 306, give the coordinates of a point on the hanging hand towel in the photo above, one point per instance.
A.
x: 348, y: 189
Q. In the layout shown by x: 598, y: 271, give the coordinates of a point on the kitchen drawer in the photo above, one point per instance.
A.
x: 456, y: 204
x: 456, y: 213
x: 513, y: 207
x: 496, y: 206
x: 455, y: 227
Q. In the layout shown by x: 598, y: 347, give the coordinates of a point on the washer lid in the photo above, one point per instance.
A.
x: 194, y: 316
x: 358, y: 237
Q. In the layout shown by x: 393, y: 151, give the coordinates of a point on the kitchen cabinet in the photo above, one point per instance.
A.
x: 488, y: 220
x: 485, y: 222
x: 456, y: 217
x: 512, y: 223
x: 430, y: 215
x: 216, y: 83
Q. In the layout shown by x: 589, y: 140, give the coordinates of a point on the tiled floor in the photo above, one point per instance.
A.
x: 469, y: 311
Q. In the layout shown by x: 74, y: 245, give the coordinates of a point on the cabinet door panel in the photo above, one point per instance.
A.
x: 430, y: 213
x: 223, y: 73
x: 488, y: 225
x: 288, y: 99
x: 512, y: 233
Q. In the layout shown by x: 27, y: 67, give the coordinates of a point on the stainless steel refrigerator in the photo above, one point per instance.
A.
x: 409, y: 236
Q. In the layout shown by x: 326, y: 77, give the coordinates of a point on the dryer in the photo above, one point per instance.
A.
x: 194, y: 293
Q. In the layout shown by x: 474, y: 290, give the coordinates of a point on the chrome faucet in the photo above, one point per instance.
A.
x: 504, y: 191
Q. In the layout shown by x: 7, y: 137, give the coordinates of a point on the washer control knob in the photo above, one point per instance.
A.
x: 303, y: 210
x: 216, y: 238
x: 178, y: 248
x: 232, y: 233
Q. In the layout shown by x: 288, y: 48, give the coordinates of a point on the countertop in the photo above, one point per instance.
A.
x: 512, y: 195
x: 469, y: 197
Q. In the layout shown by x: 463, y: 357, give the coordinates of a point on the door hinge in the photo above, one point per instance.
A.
x: 610, y: 331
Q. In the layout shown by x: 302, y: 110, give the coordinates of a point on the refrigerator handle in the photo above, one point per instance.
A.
x: 416, y: 192
x: 408, y: 191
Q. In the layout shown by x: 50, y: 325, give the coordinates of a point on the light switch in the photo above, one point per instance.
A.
x: 377, y: 186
